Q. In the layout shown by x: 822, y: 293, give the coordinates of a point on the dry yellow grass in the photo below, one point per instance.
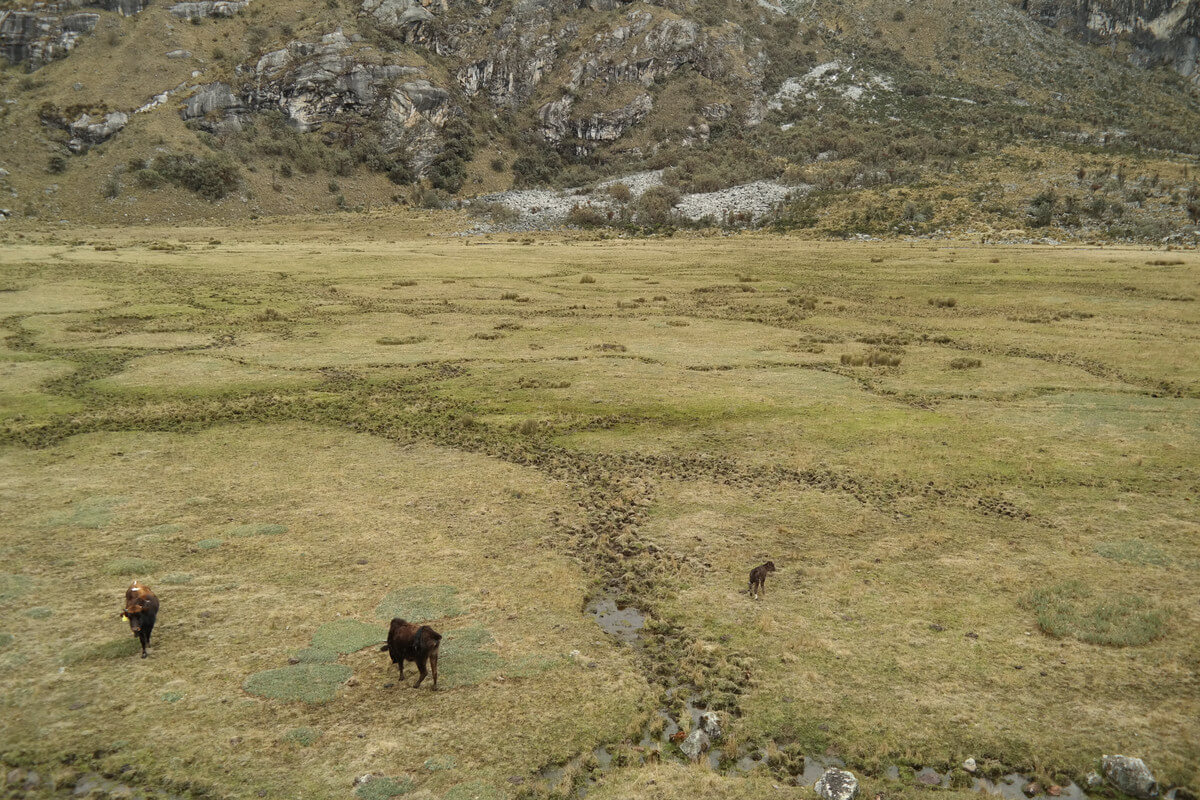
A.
x: 470, y: 414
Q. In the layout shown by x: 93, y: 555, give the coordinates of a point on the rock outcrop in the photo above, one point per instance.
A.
x: 36, y: 38
x: 208, y: 8
x: 50, y: 30
x: 1161, y: 31
x: 584, y: 133
x: 333, y: 79
x: 88, y: 130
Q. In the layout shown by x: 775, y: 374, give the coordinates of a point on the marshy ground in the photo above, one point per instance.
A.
x: 976, y: 468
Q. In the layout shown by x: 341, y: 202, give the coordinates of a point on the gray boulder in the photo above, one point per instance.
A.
x: 710, y: 723
x: 695, y: 744
x: 1131, y: 776
x: 837, y: 784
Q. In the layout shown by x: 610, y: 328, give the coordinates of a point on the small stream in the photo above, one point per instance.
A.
x: 625, y: 623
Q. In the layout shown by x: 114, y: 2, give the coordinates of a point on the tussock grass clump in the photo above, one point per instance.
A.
x: 965, y: 363
x: 310, y: 683
x: 5, y: 640
x: 404, y: 282
x: 588, y: 279
x: 528, y: 427
x: 508, y: 326
x: 509, y: 296
x: 1164, y: 262
x: 257, y: 529
x: 13, y: 586
x: 117, y: 648
x: 40, y: 612
x: 488, y: 336
x: 130, y: 565
x: 872, y: 358
x: 381, y: 788
x: 1132, y: 551
x: 421, y: 604
x: 609, y: 347
x: 347, y: 636
x: 1071, y: 609
x: 804, y: 301
x: 943, y: 302
x: 209, y: 544
x: 395, y: 340
x: 179, y: 578
x: 303, y: 736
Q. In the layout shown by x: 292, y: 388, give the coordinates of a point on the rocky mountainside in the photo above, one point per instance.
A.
x: 911, y: 116
x: 1156, y: 32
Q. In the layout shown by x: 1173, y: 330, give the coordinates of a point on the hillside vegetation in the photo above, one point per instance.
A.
x: 903, y: 118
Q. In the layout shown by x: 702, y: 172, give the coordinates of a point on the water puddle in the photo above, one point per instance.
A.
x: 625, y: 623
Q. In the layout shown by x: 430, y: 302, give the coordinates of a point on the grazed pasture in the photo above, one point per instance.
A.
x: 984, y: 512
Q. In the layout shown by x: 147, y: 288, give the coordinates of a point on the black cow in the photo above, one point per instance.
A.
x: 409, y: 642
x: 758, y: 578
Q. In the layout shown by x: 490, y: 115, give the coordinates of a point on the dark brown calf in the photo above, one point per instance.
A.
x: 141, y: 610
x: 409, y: 642
x: 758, y: 578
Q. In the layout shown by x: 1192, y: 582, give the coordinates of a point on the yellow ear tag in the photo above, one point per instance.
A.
x: 124, y: 618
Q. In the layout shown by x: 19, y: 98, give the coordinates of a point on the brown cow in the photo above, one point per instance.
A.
x: 141, y: 610
x: 758, y: 578
x: 409, y: 642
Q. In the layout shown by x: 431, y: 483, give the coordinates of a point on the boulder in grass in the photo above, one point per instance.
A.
x: 1131, y: 776
x: 695, y: 744
x: 837, y: 784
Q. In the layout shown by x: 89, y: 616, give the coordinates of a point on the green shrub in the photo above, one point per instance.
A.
x: 587, y: 279
x: 211, y: 178
x: 56, y: 164
x: 1071, y: 609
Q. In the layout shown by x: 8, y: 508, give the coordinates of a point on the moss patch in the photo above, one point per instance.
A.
x: 117, y: 648
x: 420, y: 604
x: 315, y: 655
x: 130, y: 566
x: 13, y: 586
x: 258, y: 529
x: 303, y: 736
x: 311, y: 683
x: 1071, y: 609
x: 209, y: 544
x: 39, y: 612
x: 1133, y: 551
x: 474, y: 790
x: 347, y: 636
x: 95, y: 512
x: 5, y: 639
x: 440, y: 763
x: 463, y: 661
x: 383, y: 788
x: 172, y: 697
